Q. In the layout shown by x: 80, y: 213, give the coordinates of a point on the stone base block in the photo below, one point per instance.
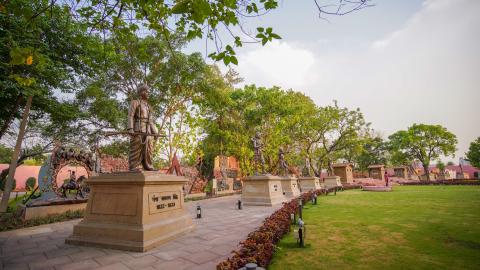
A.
x: 332, y: 181
x: 133, y: 211
x: 290, y: 187
x: 308, y: 183
x: 57, y: 209
x: 262, y: 190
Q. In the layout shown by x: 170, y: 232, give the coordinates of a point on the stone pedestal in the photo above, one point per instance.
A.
x: 332, y: 181
x: 308, y: 183
x: 133, y: 211
x: 290, y: 187
x: 262, y: 190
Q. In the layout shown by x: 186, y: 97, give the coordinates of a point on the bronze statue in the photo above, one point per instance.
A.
x: 141, y: 128
x: 258, y: 155
x: 306, y: 169
x: 282, y: 163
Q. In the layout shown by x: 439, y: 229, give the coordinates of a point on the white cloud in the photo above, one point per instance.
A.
x: 278, y: 63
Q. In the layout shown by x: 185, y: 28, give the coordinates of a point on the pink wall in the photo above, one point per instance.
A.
x: 24, y: 172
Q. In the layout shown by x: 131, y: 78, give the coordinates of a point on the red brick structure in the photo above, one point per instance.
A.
x: 109, y: 164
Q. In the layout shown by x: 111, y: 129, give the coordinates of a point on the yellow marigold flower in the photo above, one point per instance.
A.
x: 29, y: 60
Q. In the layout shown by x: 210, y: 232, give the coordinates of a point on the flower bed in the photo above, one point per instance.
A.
x: 260, y: 244
x: 444, y: 182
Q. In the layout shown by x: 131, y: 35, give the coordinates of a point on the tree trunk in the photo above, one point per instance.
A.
x: 7, y: 122
x: 16, y: 152
x: 426, y: 171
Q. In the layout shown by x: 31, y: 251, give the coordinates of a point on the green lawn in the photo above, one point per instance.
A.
x: 413, y: 227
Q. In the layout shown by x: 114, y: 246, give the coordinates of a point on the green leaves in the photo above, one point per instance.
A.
x: 473, y: 153
x: 266, y: 35
x: 180, y: 7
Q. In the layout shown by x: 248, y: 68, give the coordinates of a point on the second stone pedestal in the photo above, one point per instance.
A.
x: 132, y: 211
x: 262, y: 190
x: 332, y: 181
x: 308, y: 183
x: 290, y: 186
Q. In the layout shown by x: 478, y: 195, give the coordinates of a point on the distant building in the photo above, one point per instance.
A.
x: 377, y: 171
x: 345, y: 171
x: 401, y: 172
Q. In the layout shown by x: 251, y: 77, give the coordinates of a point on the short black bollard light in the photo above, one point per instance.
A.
x: 199, y: 211
x: 315, y: 198
x: 239, y: 205
x: 335, y: 191
x: 300, y: 208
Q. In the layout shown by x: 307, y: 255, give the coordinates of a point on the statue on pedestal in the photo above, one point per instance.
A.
x: 306, y: 169
x: 258, y: 155
x: 282, y: 163
x: 141, y: 128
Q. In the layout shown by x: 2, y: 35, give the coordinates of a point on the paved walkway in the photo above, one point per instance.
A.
x: 219, y: 231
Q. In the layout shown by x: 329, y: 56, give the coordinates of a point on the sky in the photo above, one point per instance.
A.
x: 400, y: 62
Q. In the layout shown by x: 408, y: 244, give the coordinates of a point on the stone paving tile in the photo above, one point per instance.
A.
x: 147, y: 268
x: 201, y: 257
x: 115, y: 266
x: 17, y: 266
x: 171, y: 254
x: 177, y: 264
x: 142, y: 262
x: 85, y: 264
x: 62, y: 251
x: 204, y: 266
x: 50, y: 262
x: 217, y: 233
x: 195, y: 247
x: 24, y: 258
x: 88, y: 254
x: 112, y: 258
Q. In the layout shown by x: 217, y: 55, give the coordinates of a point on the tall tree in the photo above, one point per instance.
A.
x: 423, y: 143
x: 473, y: 154
x: 42, y: 57
x: 333, y: 130
x: 374, y: 151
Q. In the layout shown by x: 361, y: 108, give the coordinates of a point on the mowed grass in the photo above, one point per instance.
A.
x: 413, y: 227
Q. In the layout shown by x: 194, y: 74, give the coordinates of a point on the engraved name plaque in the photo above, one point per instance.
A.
x: 159, y: 202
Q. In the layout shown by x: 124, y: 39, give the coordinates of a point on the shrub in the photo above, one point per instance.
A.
x: 444, y: 182
x: 208, y: 187
x: 260, y: 244
x: 30, y: 184
x: 2, y: 184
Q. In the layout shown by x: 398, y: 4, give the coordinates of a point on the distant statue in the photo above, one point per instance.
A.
x: 306, y: 169
x: 141, y: 128
x: 258, y: 155
x: 282, y: 163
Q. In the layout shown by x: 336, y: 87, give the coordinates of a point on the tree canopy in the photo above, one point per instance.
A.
x: 424, y: 143
x: 473, y: 154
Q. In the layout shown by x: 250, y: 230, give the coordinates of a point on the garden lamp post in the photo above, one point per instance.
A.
x: 239, y: 203
x: 301, y: 232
